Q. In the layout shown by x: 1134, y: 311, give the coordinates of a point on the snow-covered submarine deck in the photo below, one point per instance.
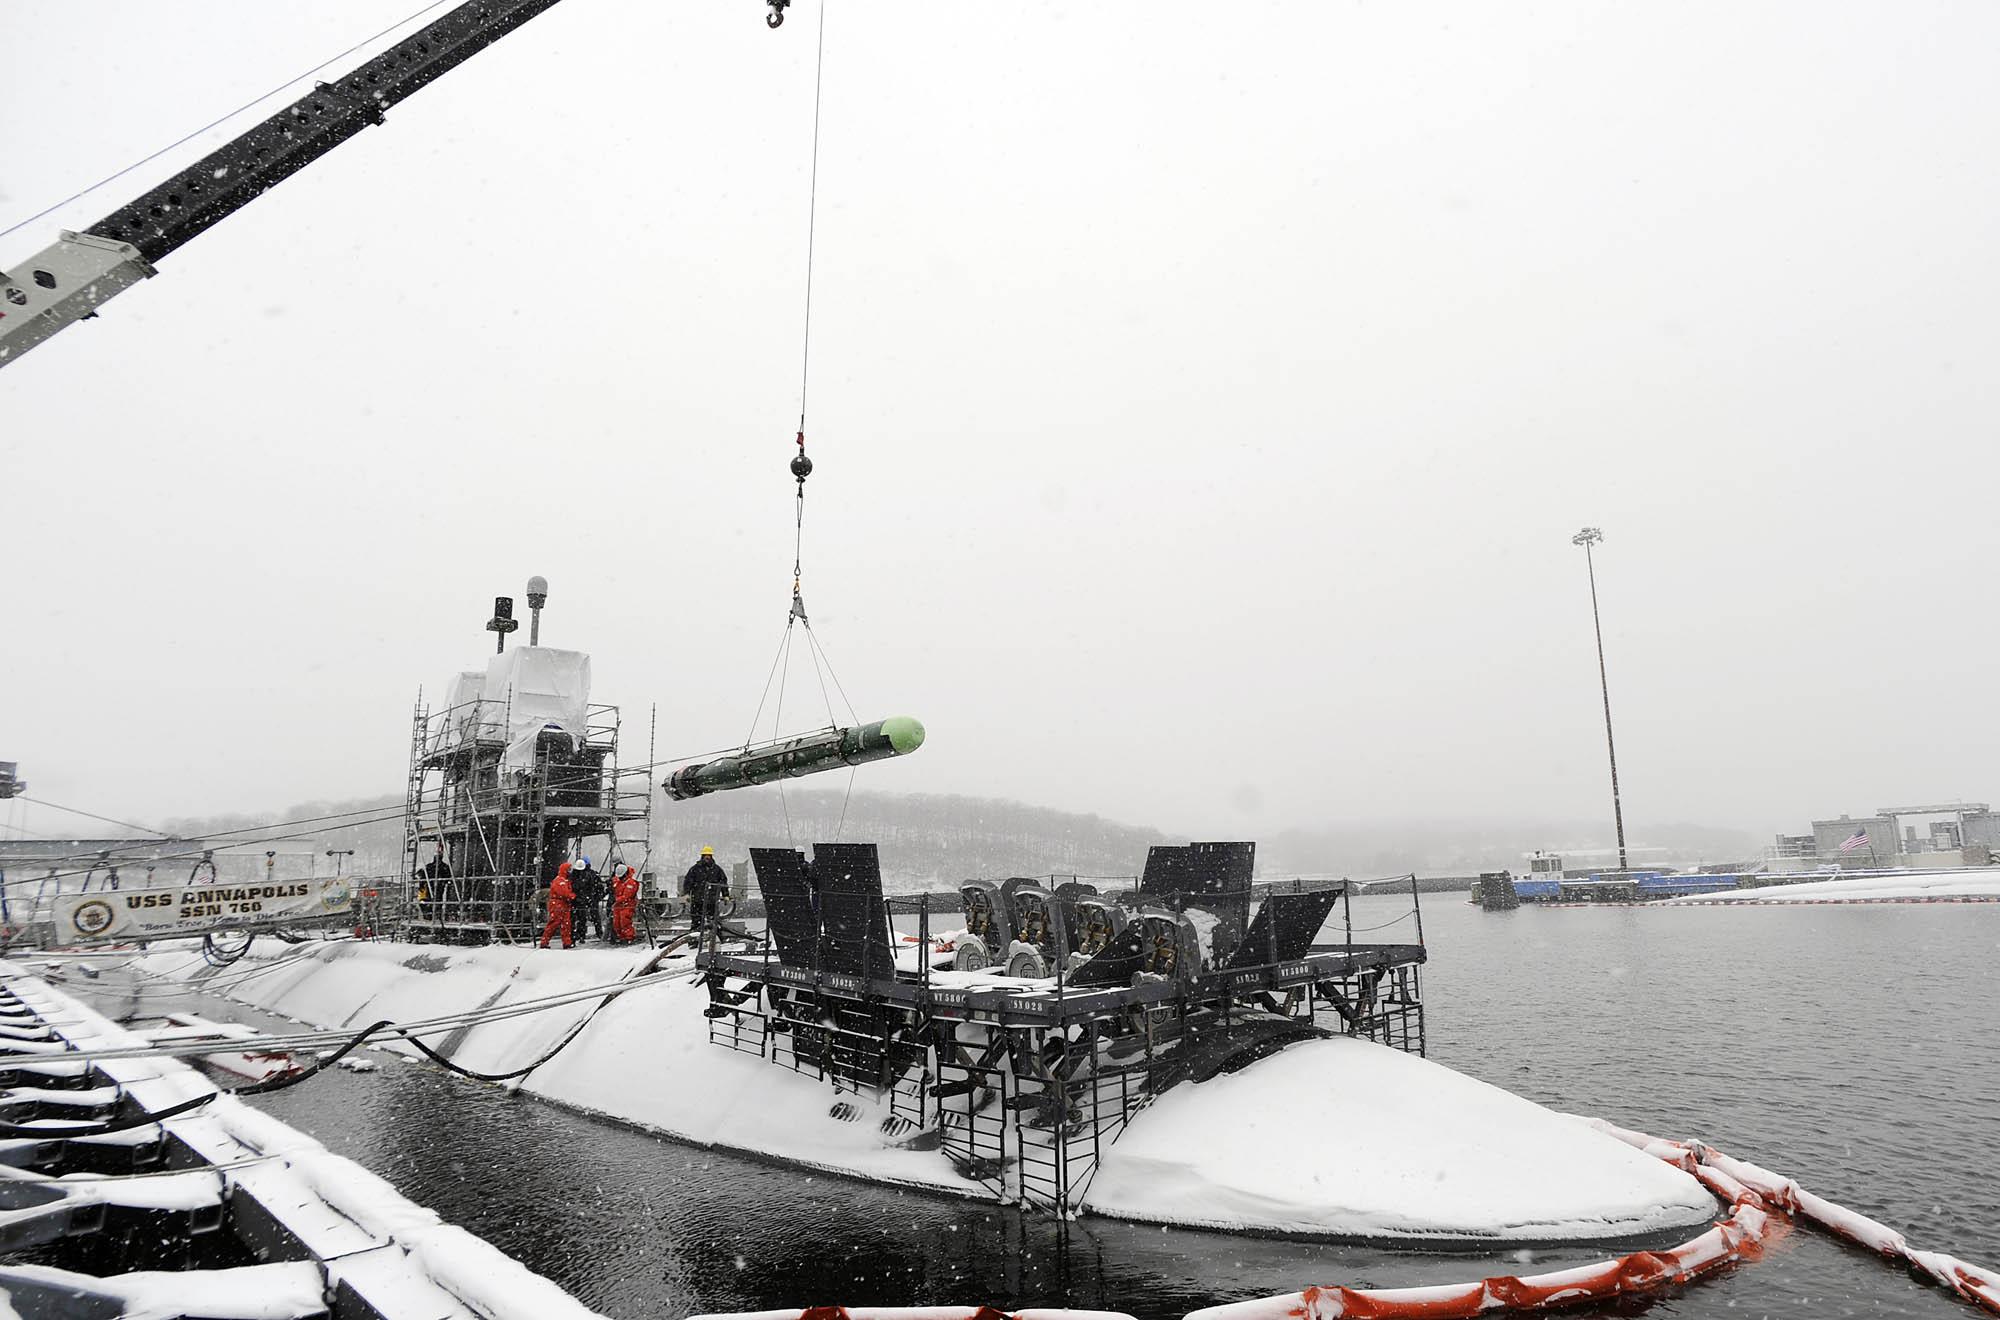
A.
x: 1338, y: 1138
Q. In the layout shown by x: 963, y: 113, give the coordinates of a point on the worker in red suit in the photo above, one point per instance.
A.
x: 624, y: 905
x: 561, y: 895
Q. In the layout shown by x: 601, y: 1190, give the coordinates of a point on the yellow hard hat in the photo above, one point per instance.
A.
x: 707, y: 851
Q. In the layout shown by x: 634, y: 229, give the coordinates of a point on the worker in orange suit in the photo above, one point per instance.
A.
x: 624, y: 905
x: 561, y: 895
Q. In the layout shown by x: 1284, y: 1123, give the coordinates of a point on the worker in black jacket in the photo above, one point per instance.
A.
x: 431, y: 885
x: 589, y: 886
x: 704, y: 884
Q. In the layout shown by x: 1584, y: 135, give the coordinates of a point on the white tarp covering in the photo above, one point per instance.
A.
x: 192, y: 909
x: 535, y: 688
x: 464, y: 710
x: 467, y: 686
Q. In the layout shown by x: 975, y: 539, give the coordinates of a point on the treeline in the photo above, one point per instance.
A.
x: 926, y: 840
x: 241, y: 838
x: 931, y: 840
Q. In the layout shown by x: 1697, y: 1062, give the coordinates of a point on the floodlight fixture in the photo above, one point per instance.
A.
x: 538, y: 596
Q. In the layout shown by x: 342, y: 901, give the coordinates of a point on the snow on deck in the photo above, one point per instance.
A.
x: 645, y: 1059
x: 1347, y: 1138
x: 1864, y: 889
x: 1338, y: 1137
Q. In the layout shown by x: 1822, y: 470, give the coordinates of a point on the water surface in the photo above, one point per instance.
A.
x: 1852, y: 1048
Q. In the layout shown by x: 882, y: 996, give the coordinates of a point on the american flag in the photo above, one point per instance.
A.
x: 1858, y: 839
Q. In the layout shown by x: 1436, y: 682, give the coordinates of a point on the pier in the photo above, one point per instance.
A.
x: 131, y: 1184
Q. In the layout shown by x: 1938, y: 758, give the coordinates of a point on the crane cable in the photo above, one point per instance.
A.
x: 801, y: 467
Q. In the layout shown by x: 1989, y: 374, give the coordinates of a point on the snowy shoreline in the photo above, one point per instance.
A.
x: 1915, y: 887
x: 1336, y: 1139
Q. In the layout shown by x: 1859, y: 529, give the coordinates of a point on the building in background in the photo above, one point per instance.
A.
x: 1922, y: 836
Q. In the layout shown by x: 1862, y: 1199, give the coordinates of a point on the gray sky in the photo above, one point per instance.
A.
x: 1203, y: 398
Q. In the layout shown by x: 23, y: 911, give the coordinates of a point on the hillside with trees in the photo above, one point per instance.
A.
x: 926, y: 839
x: 931, y: 840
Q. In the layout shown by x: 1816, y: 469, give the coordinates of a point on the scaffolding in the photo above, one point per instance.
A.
x: 502, y: 821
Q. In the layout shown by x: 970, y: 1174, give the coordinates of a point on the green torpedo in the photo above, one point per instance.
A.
x: 808, y: 754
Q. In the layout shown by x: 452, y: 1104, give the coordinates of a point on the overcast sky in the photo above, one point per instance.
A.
x: 1203, y: 399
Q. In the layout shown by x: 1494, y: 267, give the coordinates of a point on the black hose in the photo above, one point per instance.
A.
x: 560, y: 1045
x: 290, y: 1079
x: 23, y: 1131
x: 217, y: 955
x: 283, y: 1080
x: 558, y: 1048
x: 278, y: 1083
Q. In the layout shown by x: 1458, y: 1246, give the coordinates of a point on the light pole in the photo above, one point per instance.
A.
x: 1587, y: 538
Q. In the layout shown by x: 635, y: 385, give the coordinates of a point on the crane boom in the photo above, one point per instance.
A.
x: 67, y: 281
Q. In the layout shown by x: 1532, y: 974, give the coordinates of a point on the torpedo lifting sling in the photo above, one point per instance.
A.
x: 836, y: 745
x: 801, y: 464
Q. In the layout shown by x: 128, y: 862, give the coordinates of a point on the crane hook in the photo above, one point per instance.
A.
x: 776, y: 18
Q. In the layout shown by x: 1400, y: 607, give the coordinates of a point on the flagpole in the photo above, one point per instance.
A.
x: 1587, y: 538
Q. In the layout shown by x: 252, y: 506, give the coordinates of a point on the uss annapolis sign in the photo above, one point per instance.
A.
x: 151, y: 913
